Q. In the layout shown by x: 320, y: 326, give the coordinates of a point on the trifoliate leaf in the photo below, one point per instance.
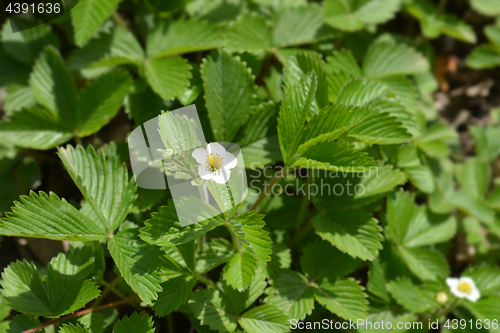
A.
x: 240, y: 270
x: 47, y: 216
x: 351, y: 15
x: 88, y: 15
x: 104, y: 183
x: 136, y: 323
x: 292, y: 293
x: 248, y: 228
x: 344, y: 297
x: 229, y: 90
x: 100, y: 100
x: 138, y: 262
x: 353, y: 232
x: 63, y: 291
x: 164, y: 228
x: 167, y: 76
x: 411, y: 297
x: 384, y: 59
x: 424, y: 263
x: 175, y: 293
x: 213, y: 310
x: 70, y: 328
x: 182, y: 36
x: 265, y: 318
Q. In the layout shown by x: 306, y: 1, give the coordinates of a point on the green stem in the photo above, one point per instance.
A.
x: 109, y: 287
x: 118, y: 19
x: 441, y: 7
x: 301, y: 233
x: 207, y: 282
x: 303, y: 207
x: 447, y: 309
x: 234, y: 238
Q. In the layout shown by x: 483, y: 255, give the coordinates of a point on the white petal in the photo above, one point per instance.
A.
x: 468, y: 280
x: 204, y: 173
x: 216, y: 148
x: 474, y: 295
x: 200, y: 155
x: 221, y: 176
x: 230, y: 161
x: 452, y: 282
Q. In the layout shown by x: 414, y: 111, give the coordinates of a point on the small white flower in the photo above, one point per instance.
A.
x: 215, y: 162
x: 442, y: 298
x: 463, y: 287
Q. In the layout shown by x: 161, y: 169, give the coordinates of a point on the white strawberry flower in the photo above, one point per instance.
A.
x: 215, y: 162
x: 463, y: 287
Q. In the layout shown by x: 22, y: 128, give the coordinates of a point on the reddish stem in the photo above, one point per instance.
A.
x: 81, y: 313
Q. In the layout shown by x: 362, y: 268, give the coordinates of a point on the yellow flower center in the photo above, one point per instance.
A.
x: 214, y: 162
x: 465, y: 287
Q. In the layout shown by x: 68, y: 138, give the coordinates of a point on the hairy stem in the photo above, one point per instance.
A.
x: 83, y: 312
x: 264, y: 193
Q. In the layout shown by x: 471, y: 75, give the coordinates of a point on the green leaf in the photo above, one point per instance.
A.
x: 343, y: 297
x: 22, y: 323
x: 474, y: 176
x: 182, y: 36
x: 164, y: 228
x: 175, y: 293
x: 12, y: 70
x: 377, y: 280
x: 136, y: 323
x: 362, y: 92
x: 115, y: 46
x: 421, y: 177
x: 485, y: 309
x: 264, y: 319
x: 353, y: 232
x: 302, y: 25
x: 486, y: 7
x: 322, y: 260
x: 471, y: 205
x: 486, y: 278
x: 389, y: 317
x: 249, y: 34
x: 47, y: 216
x: 215, y: 253
x: 493, y: 34
x: 88, y: 15
x: 54, y: 88
x: 229, y: 89
x: 352, y: 15
x: 4, y: 308
x: 62, y: 291
x: 100, y: 100
x: 240, y: 270
x: 138, y: 262
x: 424, y: 263
x: 486, y: 142
x: 104, y: 183
x: 142, y: 103
x: 26, y: 45
x: 303, y: 63
x: 327, y: 154
x: 248, y: 228
x: 294, y: 109
x: 167, y: 76
x: 384, y: 59
x: 484, y: 56
x: 18, y: 98
x: 413, y: 226
x: 240, y: 301
x: 70, y: 328
x: 213, y: 310
x: 411, y: 297
x: 292, y: 293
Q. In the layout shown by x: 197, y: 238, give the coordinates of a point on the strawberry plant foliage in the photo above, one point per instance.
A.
x: 363, y: 202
